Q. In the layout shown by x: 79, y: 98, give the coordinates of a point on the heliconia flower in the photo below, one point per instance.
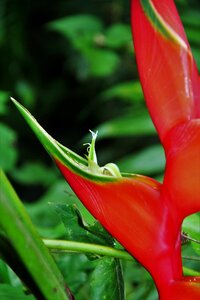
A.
x: 127, y: 205
x: 142, y: 214
x: 171, y: 86
x: 166, y: 66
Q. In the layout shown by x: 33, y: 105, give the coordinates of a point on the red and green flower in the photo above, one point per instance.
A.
x: 142, y: 214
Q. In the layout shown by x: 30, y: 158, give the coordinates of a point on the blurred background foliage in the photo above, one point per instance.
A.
x: 71, y: 63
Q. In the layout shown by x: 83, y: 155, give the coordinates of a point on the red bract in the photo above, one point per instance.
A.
x: 167, y: 69
x: 171, y: 86
x: 142, y: 214
x: 129, y: 208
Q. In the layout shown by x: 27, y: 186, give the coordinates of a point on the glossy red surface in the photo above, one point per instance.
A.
x: 143, y: 215
x: 171, y: 87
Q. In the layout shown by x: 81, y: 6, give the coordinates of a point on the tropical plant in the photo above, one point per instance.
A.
x: 141, y: 213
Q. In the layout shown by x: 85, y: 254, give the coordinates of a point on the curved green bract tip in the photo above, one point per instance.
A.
x: 70, y: 159
x: 161, y: 25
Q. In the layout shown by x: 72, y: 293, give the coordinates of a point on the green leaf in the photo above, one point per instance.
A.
x: 26, y: 92
x: 97, y: 229
x: 133, y: 275
x: 191, y: 226
x: 78, y: 230
x: 43, y: 215
x: 127, y: 125
x: 147, y: 161
x: 34, y: 173
x: 191, y: 18
x: 78, y: 26
x: 8, y: 292
x: 107, y: 280
x: 80, y: 268
x: 127, y: 91
x: 118, y: 35
x: 29, y: 247
x: 196, y: 53
x: 193, y: 35
x: 4, y: 277
x: 8, y: 151
x: 101, y: 62
x: 4, y: 97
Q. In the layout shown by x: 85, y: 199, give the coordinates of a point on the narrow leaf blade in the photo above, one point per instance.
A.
x: 17, y: 225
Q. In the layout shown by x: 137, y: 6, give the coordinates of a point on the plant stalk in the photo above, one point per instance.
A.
x: 64, y: 246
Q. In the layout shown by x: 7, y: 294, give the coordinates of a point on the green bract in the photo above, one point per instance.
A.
x: 88, y: 168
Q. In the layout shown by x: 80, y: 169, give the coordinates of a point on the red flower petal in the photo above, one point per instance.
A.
x: 182, y: 176
x: 185, y: 289
x: 133, y: 212
x: 165, y: 63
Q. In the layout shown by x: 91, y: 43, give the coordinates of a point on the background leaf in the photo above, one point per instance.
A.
x: 101, y: 62
x: 127, y: 91
x: 8, y: 153
x: 4, y: 97
x: 35, y: 173
x: 107, y: 281
x: 77, y: 27
x: 7, y: 292
x: 149, y: 161
x: 78, y: 230
x: 191, y: 226
x: 118, y: 35
x: 127, y: 125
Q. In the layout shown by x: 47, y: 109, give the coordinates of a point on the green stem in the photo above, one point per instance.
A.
x: 25, y: 241
x: 187, y: 237
x: 62, y: 246
x: 71, y: 246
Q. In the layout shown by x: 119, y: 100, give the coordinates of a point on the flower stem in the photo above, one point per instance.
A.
x: 100, y: 250
x: 64, y: 246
